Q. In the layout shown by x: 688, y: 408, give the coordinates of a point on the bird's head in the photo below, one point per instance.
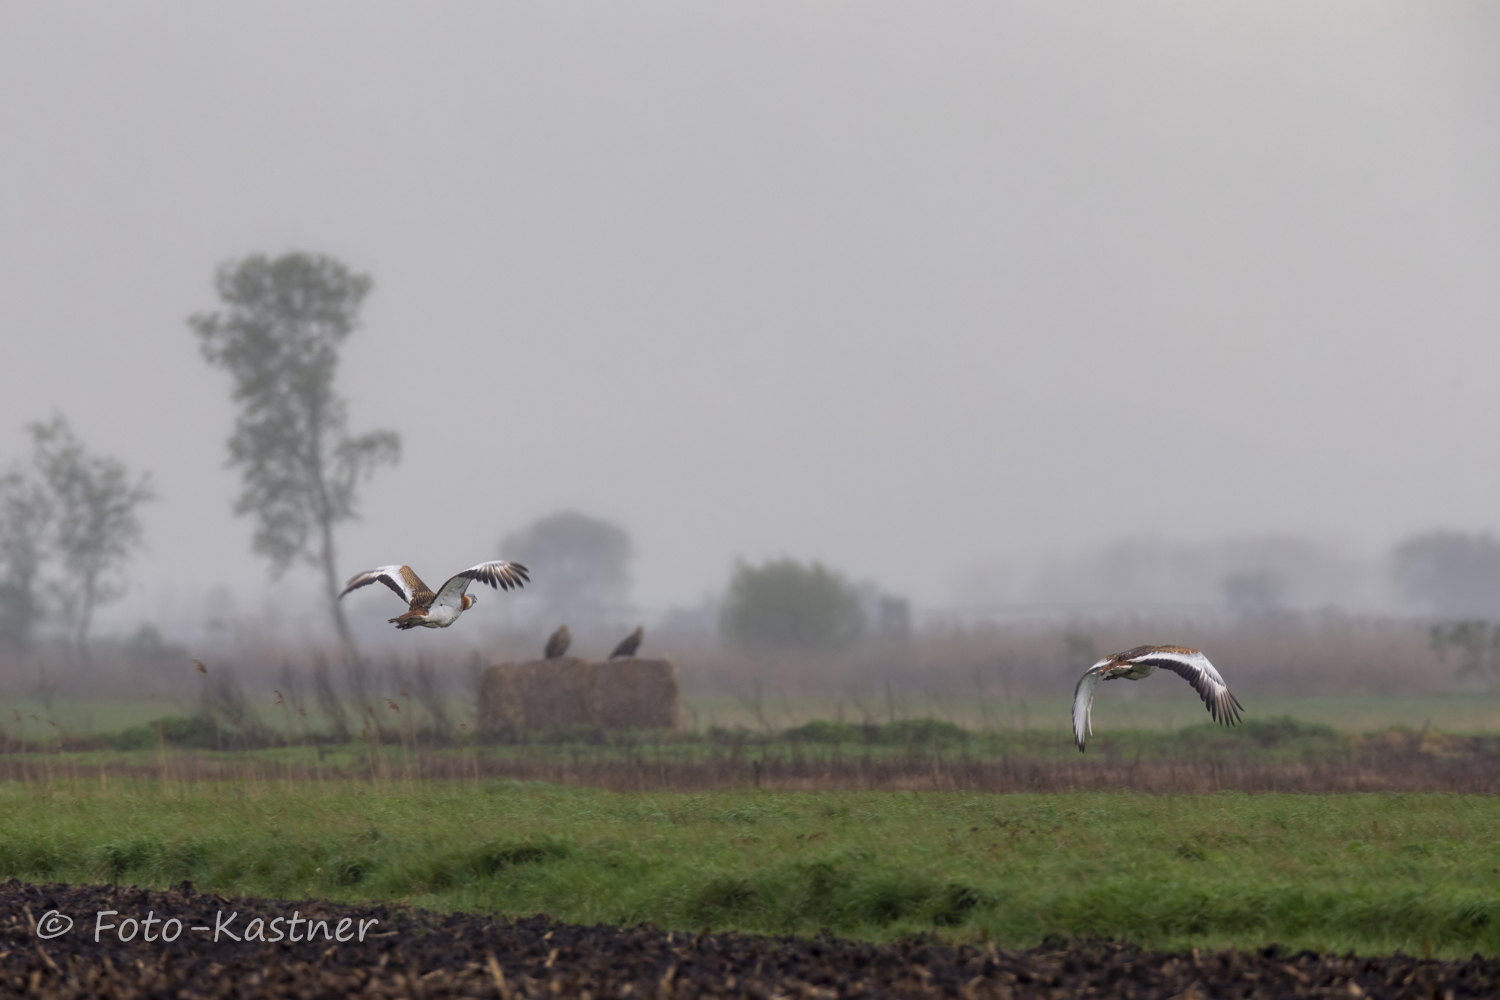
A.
x: 469, y: 601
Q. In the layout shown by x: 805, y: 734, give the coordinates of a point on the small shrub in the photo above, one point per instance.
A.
x: 955, y: 904
x: 117, y: 858
x: 351, y: 871
x: 920, y: 732
x: 1189, y: 850
x: 498, y: 857
x: 823, y: 731
x: 722, y: 899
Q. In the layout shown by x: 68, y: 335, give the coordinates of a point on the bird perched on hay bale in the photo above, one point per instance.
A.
x: 558, y: 644
x: 630, y: 644
x: 1140, y: 663
x: 441, y: 609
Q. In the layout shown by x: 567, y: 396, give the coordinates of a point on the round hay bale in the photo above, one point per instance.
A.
x: 640, y: 694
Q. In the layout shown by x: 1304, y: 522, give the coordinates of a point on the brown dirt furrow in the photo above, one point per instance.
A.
x: 419, y: 954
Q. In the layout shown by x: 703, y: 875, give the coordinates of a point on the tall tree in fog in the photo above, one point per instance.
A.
x: 278, y: 336
x: 25, y: 513
x: 581, y: 565
x: 786, y: 605
x: 90, y: 502
x: 1450, y: 573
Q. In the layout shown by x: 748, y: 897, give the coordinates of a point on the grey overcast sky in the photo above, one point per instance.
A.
x: 907, y: 287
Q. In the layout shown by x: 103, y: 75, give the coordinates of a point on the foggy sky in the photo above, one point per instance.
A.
x: 912, y: 288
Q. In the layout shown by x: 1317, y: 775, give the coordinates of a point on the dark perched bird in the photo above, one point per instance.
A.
x: 629, y: 644
x: 441, y: 609
x: 1141, y: 662
x: 558, y: 644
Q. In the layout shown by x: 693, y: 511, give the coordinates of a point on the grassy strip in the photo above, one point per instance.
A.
x: 1275, y: 740
x: 1375, y: 873
x: 1161, y: 707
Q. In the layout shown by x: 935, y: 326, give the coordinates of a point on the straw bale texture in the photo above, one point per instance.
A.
x: 537, y: 696
x: 638, y: 693
x: 567, y: 692
x: 500, y: 699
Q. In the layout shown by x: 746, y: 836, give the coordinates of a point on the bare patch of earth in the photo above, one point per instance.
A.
x: 414, y: 953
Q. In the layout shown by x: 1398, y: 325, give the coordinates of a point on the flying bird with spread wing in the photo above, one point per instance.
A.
x: 628, y: 645
x: 1140, y: 663
x: 558, y: 644
x: 441, y: 609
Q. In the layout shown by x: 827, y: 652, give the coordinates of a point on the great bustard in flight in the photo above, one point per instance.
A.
x: 1141, y: 662
x: 441, y: 609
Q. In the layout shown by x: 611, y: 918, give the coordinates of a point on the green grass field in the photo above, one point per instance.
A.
x: 1115, y: 708
x: 1373, y: 873
x: 1377, y: 873
x: 1118, y: 706
x: 155, y: 748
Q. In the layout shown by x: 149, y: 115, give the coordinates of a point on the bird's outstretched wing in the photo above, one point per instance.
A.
x: 499, y: 574
x: 407, y: 585
x: 1193, y: 667
x: 1083, y: 704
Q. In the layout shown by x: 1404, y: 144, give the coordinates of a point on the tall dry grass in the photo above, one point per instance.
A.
x: 990, y: 663
x: 1395, y: 762
x: 1282, y: 655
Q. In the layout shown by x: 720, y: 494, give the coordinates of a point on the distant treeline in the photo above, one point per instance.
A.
x: 1284, y: 655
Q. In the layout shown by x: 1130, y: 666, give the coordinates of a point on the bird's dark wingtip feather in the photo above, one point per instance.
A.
x: 1228, y: 710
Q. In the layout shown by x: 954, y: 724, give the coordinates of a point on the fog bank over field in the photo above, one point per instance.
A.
x: 1236, y: 577
x: 1000, y: 310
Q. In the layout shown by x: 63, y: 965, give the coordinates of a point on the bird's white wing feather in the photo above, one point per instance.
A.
x: 394, y: 577
x: 498, y: 574
x: 1083, y: 706
x: 1194, y: 668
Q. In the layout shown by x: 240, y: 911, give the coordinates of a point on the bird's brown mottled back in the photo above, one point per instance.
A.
x: 421, y: 594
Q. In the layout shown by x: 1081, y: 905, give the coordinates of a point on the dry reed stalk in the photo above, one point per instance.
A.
x: 431, y: 698
x: 369, y: 733
x: 285, y: 740
x: 161, y: 744
x: 25, y: 762
x: 474, y: 749
x: 203, y: 697
x: 411, y: 725
x: 302, y: 739
x: 401, y: 735
x: 317, y: 761
x: 46, y: 763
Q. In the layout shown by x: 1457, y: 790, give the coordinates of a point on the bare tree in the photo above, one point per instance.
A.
x: 588, y: 566
x: 1449, y: 573
x: 93, y: 505
x: 25, y: 513
x: 279, y: 337
x: 785, y: 604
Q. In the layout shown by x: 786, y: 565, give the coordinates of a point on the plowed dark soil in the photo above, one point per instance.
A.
x: 419, y: 954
